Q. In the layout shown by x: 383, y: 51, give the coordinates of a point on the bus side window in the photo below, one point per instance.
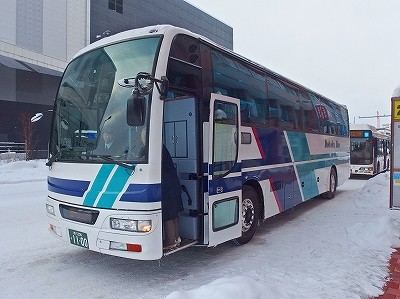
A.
x: 253, y: 111
x: 184, y: 63
x: 234, y: 78
x: 298, y: 113
x: 310, y: 120
x: 273, y: 113
x: 287, y: 116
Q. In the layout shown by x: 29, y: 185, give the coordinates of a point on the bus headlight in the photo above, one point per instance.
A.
x: 50, y: 209
x: 141, y: 226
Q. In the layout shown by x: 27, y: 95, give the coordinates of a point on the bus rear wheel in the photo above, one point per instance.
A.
x: 332, y: 185
x: 249, y: 215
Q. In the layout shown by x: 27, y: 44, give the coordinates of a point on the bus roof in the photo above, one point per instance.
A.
x: 362, y: 127
x: 166, y: 29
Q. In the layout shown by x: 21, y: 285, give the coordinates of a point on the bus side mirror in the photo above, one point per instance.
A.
x: 135, y: 110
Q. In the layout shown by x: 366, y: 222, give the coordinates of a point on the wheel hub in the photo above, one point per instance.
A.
x: 248, y: 214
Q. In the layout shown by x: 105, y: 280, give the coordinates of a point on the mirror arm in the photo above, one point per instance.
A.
x: 164, y: 86
x: 162, y: 94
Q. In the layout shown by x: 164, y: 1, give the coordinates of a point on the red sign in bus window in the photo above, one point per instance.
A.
x: 322, y: 112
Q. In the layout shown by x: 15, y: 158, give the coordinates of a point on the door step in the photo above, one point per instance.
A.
x: 185, y: 243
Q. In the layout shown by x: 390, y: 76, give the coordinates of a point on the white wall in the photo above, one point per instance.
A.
x: 62, y: 31
x: 8, y: 21
x: 55, y: 28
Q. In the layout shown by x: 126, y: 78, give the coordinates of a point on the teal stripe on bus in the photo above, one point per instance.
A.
x: 114, y: 188
x: 301, y: 150
x: 307, y: 175
x: 299, y: 146
x: 98, y: 184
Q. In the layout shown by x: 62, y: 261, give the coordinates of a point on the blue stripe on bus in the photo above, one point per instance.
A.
x: 67, y: 187
x: 114, y: 187
x: 280, y: 178
x: 98, y: 184
x: 227, y: 184
x: 142, y: 193
x: 272, y: 146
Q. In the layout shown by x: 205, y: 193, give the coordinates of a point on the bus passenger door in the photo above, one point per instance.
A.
x: 224, y: 171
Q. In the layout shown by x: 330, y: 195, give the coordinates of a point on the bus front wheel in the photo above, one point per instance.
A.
x: 249, y: 215
x: 332, y: 185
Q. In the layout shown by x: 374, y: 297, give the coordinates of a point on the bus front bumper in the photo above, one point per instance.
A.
x: 102, y: 238
x: 362, y: 170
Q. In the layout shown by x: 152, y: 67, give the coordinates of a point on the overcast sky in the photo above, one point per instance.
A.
x: 346, y: 50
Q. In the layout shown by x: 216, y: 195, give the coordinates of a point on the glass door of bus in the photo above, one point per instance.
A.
x: 224, y: 170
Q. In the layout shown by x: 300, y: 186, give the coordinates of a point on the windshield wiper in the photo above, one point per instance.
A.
x: 109, y: 159
x: 53, y: 158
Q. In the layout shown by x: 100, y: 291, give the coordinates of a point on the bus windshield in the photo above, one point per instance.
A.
x: 89, y: 122
x: 361, y: 151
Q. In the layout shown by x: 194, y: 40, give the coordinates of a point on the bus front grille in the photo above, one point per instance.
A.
x: 79, y: 214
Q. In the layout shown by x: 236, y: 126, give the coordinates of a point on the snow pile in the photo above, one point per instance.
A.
x: 330, y: 249
x: 23, y: 171
x: 381, y: 229
x: 235, y: 287
x: 372, y: 230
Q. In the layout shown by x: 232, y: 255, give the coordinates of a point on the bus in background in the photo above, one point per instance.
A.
x: 369, y: 150
x: 247, y: 143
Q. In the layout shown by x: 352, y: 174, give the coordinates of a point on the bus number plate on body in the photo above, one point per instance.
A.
x: 78, y: 238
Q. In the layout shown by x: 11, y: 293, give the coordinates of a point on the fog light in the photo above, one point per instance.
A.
x: 125, y: 246
x: 50, y: 209
x: 118, y: 245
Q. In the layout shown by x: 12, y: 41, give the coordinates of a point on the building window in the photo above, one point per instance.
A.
x: 116, y: 5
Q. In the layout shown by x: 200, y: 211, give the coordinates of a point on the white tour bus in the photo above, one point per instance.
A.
x: 246, y: 142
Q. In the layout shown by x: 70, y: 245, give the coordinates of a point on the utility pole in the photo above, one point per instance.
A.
x: 378, y: 118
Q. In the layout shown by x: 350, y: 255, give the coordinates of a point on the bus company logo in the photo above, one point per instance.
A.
x: 332, y: 143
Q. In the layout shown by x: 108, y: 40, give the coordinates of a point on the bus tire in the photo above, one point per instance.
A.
x: 249, y: 215
x: 332, y: 185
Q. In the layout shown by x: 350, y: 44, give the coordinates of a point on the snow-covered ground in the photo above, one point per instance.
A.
x: 321, y: 249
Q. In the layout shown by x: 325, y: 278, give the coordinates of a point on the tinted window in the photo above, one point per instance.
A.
x: 310, y: 120
x: 184, y: 64
x: 235, y: 79
x: 284, y: 106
